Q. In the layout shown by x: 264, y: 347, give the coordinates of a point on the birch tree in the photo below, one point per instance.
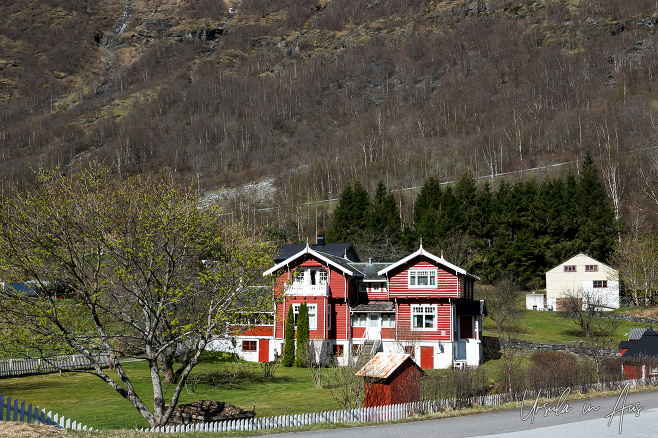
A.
x: 636, y: 258
x: 132, y: 259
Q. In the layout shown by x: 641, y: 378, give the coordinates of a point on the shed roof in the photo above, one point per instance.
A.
x: 375, y: 306
x: 384, y: 364
x: 636, y: 333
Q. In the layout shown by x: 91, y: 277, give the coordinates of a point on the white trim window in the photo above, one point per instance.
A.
x: 423, y: 317
x: 359, y: 320
x: 422, y: 278
x: 312, y: 315
x: 388, y: 321
x: 310, y: 277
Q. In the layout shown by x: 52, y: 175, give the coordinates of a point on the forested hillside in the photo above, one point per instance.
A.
x: 316, y: 95
x: 519, y: 230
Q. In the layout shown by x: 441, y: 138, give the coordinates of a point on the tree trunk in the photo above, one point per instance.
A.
x: 171, y: 375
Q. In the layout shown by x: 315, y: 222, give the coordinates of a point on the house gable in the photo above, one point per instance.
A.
x: 582, y: 273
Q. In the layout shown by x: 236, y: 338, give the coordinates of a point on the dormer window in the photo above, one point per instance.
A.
x: 419, y: 278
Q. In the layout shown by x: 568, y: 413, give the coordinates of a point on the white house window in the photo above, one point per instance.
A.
x: 598, y: 284
x: 310, y: 277
x: 312, y: 315
x: 423, y: 317
x: 422, y: 278
x: 570, y: 268
x: 322, y: 277
x: 388, y: 321
x: 359, y: 320
x: 591, y: 268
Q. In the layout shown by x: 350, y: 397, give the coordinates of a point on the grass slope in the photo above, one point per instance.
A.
x: 86, y: 399
x: 552, y: 327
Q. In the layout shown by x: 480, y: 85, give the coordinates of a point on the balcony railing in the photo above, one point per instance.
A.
x: 321, y: 290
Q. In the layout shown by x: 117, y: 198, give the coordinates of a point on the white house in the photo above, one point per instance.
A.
x: 583, y: 277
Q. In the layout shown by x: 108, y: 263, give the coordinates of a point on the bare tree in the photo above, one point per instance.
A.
x: 636, y: 258
x: 586, y: 311
x: 503, y: 307
x: 346, y: 387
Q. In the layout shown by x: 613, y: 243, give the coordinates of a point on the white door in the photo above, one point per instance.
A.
x: 374, y: 328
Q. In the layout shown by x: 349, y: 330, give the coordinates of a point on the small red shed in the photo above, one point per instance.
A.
x: 639, y: 354
x: 390, y: 378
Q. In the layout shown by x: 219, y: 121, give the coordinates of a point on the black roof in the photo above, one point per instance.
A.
x: 471, y: 307
x: 646, y: 346
x: 369, y: 270
x: 334, y: 249
x: 375, y: 306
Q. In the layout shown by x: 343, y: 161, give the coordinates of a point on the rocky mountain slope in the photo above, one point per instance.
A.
x: 317, y: 94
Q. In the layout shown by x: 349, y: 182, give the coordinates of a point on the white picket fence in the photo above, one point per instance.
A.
x: 385, y: 413
x: 10, y: 410
x: 19, y: 367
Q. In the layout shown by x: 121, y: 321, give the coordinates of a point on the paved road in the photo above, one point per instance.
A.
x: 556, y: 420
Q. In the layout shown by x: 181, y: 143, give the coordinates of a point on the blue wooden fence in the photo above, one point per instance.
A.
x: 11, y: 410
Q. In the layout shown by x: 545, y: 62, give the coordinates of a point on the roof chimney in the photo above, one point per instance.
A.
x: 320, y: 240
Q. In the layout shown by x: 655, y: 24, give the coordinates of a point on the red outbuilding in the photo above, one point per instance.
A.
x: 390, y: 378
x: 639, y: 354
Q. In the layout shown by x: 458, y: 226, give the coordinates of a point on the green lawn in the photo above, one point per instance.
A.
x: 87, y: 399
x: 551, y: 327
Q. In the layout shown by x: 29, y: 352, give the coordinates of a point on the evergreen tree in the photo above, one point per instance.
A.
x: 350, y: 216
x: 384, y: 218
x: 426, y: 211
x: 360, y: 210
x: 597, y: 226
x: 448, y: 215
x: 466, y: 195
x: 289, y: 345
x: 303, y: 336
x: 341, y: 222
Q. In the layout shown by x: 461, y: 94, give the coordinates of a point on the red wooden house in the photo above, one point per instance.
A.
x: 421, y: 305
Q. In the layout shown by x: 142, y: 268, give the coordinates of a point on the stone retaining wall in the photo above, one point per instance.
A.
x: 531, y: 347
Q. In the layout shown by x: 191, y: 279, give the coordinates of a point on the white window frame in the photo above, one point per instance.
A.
x: 415, y: 274
x: 312, y: 315
x: 359, y: 320
x: 303, y: 277
x: 390, y: 320
x: 424, y: 310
